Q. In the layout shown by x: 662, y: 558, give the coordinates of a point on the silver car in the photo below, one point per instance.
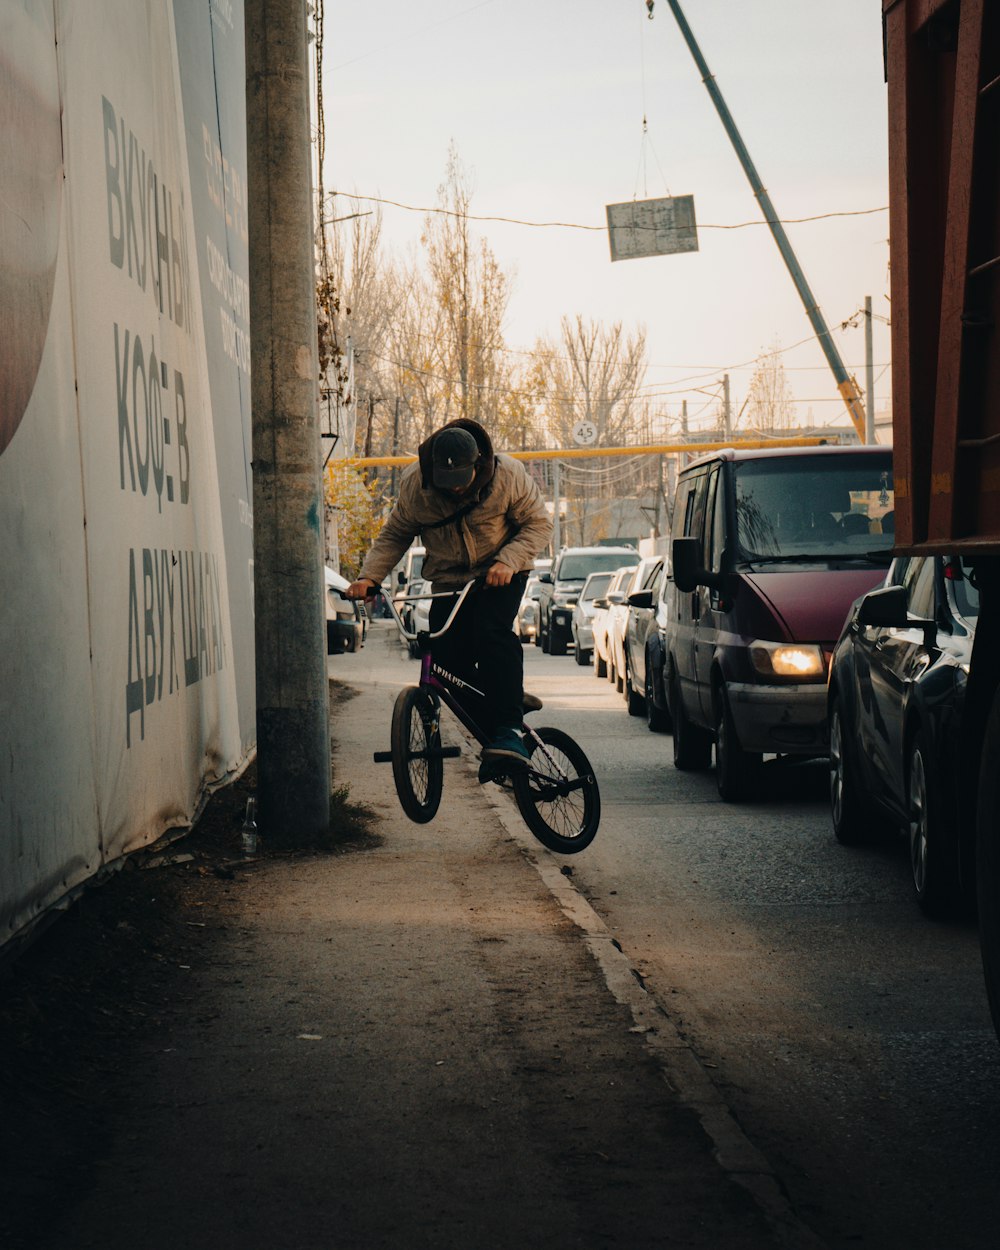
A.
x: 594, y: 587
x: 526, y: 621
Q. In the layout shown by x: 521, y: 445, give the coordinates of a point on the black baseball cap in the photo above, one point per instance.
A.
x: 456, y: 453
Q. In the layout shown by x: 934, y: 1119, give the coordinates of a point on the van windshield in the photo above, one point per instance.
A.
x: 814, y: 506
x: 579, y: 568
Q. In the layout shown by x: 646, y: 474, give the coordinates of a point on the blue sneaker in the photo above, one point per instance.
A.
x: 506, y: 748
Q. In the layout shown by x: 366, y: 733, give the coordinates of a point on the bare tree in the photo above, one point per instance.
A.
x: 472, y: 293
x: 593, y: 374
x: 769, y: 402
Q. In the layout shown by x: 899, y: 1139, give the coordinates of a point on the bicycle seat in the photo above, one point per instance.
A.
x: 531, y: 702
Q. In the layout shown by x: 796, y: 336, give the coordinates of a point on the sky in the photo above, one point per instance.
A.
x: 545, y: 101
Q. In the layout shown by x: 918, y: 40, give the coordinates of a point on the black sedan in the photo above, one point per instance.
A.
x: 897, y: 685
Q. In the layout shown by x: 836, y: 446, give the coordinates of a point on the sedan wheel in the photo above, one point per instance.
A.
x: 634, y: 701
x: 852, y: 825
x: 934, y: 879
x: 600, y: 665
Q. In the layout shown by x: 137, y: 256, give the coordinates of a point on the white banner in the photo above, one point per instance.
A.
x: 122, y: 695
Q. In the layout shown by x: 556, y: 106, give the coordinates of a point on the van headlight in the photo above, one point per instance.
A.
x: 801, y: 662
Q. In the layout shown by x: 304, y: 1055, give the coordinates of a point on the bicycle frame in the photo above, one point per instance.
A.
x: 429, y: 680
x: 443, y: 687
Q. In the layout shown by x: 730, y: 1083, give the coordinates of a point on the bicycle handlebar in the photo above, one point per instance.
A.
x: 459, y: 596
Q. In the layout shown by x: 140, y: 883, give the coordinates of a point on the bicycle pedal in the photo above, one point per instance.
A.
x: 490, y: 771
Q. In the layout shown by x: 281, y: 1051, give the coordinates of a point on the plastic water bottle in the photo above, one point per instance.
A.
x: 249, y: 836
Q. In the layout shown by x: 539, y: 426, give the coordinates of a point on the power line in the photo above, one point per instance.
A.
x: 571, y: 225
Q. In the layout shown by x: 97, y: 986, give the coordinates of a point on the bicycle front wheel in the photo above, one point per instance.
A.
x: 417, y: 768
x: 557, y: 793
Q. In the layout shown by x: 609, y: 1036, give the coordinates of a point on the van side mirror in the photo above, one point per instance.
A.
x: 546, y: 578
x: 641, y: 599
x: 687, y: 571
x: 400, y: 578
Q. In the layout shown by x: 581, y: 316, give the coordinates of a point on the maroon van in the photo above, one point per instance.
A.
x: 769, y: 551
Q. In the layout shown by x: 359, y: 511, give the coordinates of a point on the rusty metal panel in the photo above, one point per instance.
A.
x: 943, y: 70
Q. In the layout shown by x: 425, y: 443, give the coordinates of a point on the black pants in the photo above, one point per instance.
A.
x: 482, y: 649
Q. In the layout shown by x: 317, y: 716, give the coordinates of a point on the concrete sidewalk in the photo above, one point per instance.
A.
x: 428, y: 1043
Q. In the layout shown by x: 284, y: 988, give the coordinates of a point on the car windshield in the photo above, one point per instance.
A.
x: 579, y: 568
x: 596, y: 585
x: 814, y: 506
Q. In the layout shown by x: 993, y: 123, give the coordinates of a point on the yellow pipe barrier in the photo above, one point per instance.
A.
x: 582, y: 453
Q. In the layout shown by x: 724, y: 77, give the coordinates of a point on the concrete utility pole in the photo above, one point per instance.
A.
x: 395, y: 448
x: 556, y: 506
x: 869, y: 375
x: 293, y: 732
x: 727, y: 420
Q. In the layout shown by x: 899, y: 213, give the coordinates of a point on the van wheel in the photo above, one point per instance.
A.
x: 657, y: 720
x: 735, y: 769
x: 692, y: 744
x: 600, y: 665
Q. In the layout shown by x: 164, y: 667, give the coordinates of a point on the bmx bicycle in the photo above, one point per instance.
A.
x: 555, y: 790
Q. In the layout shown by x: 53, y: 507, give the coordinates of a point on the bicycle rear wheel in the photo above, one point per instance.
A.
x: 418, y: 774
x: 557, y: 793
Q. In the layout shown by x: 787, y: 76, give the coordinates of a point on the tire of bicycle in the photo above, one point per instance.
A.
x: 569, y: 823
x: 419, y: 782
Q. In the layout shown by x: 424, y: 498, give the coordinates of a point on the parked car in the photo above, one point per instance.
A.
x: 417, y: 611
x: 895, y: 699
x: 642, y: 649
x: 526, y: 621
x: 346, y: 619
x: 599, y: 621
x: 407, y: 571
x: 618, y: 620
x: 770, y: 549
x: 594, y: 587
x: 560, y: 588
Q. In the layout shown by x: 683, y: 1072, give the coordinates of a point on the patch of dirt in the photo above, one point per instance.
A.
x: 99, y: 983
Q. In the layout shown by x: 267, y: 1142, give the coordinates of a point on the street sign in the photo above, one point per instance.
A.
x: 584, y: 433
x: 652, y: 227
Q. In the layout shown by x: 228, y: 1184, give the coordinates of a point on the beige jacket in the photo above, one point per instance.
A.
x: 509, y: 522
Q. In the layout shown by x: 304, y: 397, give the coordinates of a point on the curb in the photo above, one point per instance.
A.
x: 740, y: 1160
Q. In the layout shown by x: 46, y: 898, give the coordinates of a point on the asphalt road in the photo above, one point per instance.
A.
x: 849, y: 1035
